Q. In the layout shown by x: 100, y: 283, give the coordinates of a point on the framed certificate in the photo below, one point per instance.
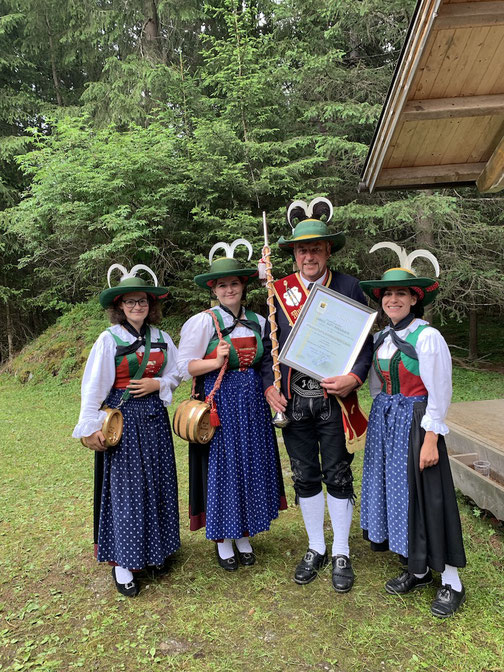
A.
x: 328, y: 334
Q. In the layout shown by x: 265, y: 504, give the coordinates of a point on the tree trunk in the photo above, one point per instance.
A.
x: 10, y: 339
x: 54, y: 70
x: 150, y: 30
x: 473, y: 333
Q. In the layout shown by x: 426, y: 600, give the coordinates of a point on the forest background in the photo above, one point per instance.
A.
x: 144, y: 131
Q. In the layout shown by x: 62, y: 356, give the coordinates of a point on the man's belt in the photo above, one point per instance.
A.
x: 304, y: 386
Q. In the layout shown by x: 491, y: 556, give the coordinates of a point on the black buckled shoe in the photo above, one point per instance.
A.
x: 130, y: 589
x: 447, y: 601
x: 246, y: 559
x: 310, y: 566
x: 406, y: 582
x: 229, y: 564
x: 343, y: 576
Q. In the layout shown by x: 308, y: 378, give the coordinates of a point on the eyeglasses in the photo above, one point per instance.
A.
x: 131, y: 303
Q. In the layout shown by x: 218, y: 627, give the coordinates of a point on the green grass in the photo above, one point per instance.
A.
x: 59, y: 610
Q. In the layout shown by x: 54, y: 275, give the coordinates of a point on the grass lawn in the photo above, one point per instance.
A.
x: 59, y: 610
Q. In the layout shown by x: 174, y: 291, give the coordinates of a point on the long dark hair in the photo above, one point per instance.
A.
x: 116, y: 313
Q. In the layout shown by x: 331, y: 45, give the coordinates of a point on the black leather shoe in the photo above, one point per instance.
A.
x: 343, y: 576
x: 447, y: 601
x: 130, y: 589
x: 230, y: 564
x: 246, y: 559
x: 406, y: 582
x: 310, y: 566
x: 157, y: 571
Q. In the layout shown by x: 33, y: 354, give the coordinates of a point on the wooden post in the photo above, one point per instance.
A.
x: 425, y: 240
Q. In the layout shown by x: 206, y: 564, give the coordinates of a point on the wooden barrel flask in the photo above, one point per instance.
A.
x: 112, y: 427
x: 191, y: 421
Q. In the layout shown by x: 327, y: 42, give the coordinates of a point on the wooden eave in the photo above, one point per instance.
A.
x: 443, y: 119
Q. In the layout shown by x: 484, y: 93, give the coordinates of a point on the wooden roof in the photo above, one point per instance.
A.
x: 443, y: 119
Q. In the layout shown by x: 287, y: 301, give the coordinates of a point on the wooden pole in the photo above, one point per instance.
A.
x: 266, y: 255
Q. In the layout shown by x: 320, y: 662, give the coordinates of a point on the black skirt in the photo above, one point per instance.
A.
x: 434, y: 530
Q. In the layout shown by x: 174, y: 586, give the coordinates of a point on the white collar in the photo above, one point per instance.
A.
x: 318, y: 281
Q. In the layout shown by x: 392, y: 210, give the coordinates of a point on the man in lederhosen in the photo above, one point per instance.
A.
x: 315, y: 435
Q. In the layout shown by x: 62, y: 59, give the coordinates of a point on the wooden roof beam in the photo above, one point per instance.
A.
x: 491, y: 179
x: 422, y: 175
x: 470, y: 15
x: 446, y: 108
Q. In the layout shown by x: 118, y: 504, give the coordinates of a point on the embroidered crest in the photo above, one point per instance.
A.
x: 292, y: 295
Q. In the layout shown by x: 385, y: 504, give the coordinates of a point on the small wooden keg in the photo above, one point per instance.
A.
x: 191, y: 421
x: 112, y: 427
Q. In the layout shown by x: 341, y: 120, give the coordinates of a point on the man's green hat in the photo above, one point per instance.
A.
x: 130, y: 283
x: 403, y: 276
x: 309, y: 224
x: 226, y: 266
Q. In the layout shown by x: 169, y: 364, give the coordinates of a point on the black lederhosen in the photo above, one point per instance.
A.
x: 316, y: 427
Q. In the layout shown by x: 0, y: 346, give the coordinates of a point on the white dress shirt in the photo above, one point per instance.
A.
x: 435, y: 365
x: 197, y: 333
x: 100, y: 373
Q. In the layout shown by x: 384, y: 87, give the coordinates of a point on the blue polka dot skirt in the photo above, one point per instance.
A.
x: 384, y: 499
x: 139, y: 518
x: 243, y: 493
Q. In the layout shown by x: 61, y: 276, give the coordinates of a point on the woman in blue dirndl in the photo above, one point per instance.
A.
x: 235, y: 482
x: 136, y: 502
x: 408, y: 498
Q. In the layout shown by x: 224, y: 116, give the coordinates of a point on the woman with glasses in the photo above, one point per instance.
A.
x: 136, y: 502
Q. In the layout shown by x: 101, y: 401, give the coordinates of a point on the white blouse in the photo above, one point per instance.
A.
x: 100, y: 373
x: 197, y: 333
x: 435, y: 365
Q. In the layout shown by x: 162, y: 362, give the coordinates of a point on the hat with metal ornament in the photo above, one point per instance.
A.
x: 131, y: 283
x: 309, y: 223
x: 226, y: 266
x: 404, y: 276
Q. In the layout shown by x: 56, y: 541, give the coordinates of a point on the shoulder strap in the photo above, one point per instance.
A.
x: 250, y: 315
x: 143, y: 365
x: 119, y: 341
x: 413, y: 337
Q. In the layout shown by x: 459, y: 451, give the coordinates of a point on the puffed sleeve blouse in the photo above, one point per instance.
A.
x: 100, y: 372
x: 197, y: 333
x: 435, y: 365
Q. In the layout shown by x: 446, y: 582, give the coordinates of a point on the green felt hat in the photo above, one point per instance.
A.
x: 311, y: 230
x: 221, y: 268
x: 425, y: 288
x: 403, y: 276
x: 309, y: 223
x: 226, y: 266
x: 130, y: 283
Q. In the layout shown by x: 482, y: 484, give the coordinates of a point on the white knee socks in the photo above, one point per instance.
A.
x: 340, y: 511
x: 243, y: 545
x: 225, y: 549
x: 313, y: 509
x: 123, y: 575
x: 450, y: 577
